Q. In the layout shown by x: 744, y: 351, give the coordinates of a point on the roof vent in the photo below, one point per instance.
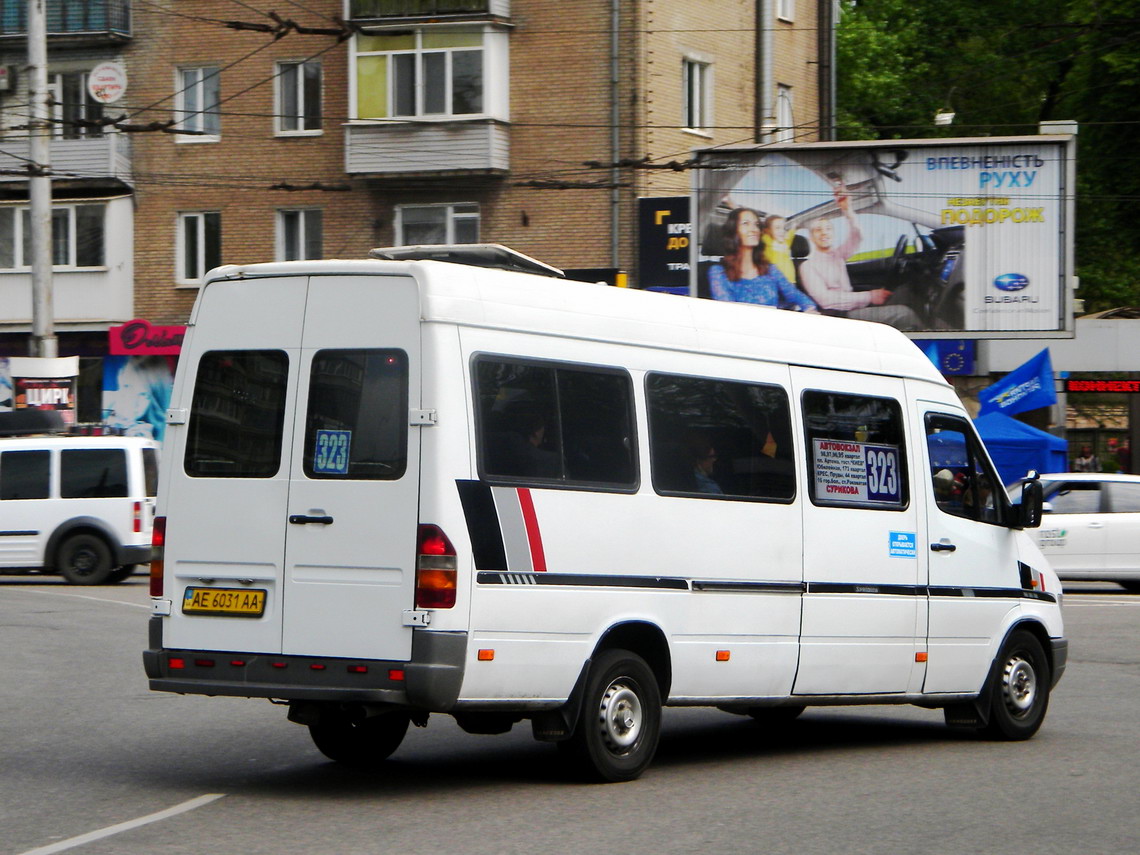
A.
x: 491, y: 255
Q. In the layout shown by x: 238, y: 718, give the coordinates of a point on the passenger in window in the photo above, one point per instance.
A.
x: 824, y: 275
x: 702, y: 457
x: 947, y: 490
x: 745, y: 274
x: 532, y: 456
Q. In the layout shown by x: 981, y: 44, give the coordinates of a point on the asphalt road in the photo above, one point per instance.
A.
x: 92, y: 762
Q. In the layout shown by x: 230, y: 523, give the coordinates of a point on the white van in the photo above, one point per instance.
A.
x: 80, y: 506
x: 397, y: 487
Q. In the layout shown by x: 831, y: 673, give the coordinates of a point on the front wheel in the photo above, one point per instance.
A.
x: 1019, y: 689
x: 84, y: 559
x: 363, y: 744
x: 620, y: 721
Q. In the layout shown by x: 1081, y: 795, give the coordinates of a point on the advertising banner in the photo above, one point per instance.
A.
x: 942, y: 237
x: 665, y: 229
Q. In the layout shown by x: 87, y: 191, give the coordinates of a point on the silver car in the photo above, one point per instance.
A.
x: 1090, y: 528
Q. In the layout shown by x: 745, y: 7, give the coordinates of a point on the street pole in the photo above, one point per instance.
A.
x: 43, y: 342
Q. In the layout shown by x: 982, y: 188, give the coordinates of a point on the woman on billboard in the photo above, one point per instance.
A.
x: 744, y: 274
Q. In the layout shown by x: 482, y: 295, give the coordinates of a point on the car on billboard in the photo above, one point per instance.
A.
x: 1090, y: 526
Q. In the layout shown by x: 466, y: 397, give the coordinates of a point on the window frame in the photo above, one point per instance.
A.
x: 902, y: 462
x: 564, y: 482
x: 785, y: 9
x: 301, y: 115
x: 696, y: 95
x: 303, y: 239
x: 86, y: 108
x: 735, y: 497
x: 451, y: 218
x: 20, y: 237
x: 196, y: 116
x: 492, y: 74
x: 979, y: 464
x: 785, y: 131
x: 202, y: 255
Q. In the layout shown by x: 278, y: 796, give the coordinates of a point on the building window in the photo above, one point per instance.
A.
x: 197, y: 104
x: 436, y: 224
x: 300, y: 234
x: 697, y: 100
x: 785, y: 120
x: 199, y: 245
x: 786, y: 9
x: 298, y: 97
x: 73, y: 108
x: 426, y: 72
x: 77, y: 237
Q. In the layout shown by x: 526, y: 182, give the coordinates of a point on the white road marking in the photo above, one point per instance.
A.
x: 80, y: 597
x: 125, y: 826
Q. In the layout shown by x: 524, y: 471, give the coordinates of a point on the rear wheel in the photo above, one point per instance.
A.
x: 361, y: 744
x: 1020, y: 688
x: 120, y: 573
x: 84, y: 559
x: 620, y: 722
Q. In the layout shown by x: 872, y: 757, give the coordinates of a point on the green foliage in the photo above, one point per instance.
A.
x: 1002, y: 67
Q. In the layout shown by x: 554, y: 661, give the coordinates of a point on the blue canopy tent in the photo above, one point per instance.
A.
x: 1017, y: 447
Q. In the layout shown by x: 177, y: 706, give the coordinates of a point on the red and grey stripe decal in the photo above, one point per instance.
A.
x: 503, y: 527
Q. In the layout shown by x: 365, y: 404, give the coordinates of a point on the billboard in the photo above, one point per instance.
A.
x: 664, y: 230
x: 942, y: 238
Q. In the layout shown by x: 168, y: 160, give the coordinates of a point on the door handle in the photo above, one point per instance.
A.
x: 942, y: 547
x: 305, y: 519
x: 1096, y: 525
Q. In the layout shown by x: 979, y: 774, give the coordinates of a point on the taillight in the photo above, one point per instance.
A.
x: 138, y: 517
x: 436, y: 569
x: 158, y: 546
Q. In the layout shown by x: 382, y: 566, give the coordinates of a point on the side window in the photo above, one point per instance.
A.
x: 237, y: 414
x: 93, y: 473
x: 856, y: 452
x: 357, y: 417
x: 1075, y: 497
x: 962, y: 481
x: 150, y: 472
x: 1125, y: 498
x: 720, y: 438
x: 564, y: 425
x: 25, y: 475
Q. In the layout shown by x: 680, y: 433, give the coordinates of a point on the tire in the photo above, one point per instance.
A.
x: 775, y: 716
x: 619, y: 725
x: 1019, y: 688
x: 121, y: 573
x: 360, y: 744
x: 84, y: 559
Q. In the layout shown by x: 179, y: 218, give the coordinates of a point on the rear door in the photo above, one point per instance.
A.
x: 225, y: 473
x: 1122, y: 531
x: 350, y: 524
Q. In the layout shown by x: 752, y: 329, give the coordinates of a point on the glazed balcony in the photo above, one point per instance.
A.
x: 362, y: 11
x: 74, y: 21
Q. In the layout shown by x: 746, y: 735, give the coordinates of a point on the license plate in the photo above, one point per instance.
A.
x: 232, y: 602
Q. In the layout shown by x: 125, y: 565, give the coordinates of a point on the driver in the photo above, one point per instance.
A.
x: 824, y: 275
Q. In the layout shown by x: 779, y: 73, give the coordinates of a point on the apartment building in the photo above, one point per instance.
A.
x: 250, y: 132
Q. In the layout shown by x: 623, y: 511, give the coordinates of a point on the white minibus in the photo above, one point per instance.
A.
x: 395, y: 487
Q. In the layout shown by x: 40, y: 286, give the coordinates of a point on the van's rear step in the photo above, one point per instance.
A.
x: 430, y: 681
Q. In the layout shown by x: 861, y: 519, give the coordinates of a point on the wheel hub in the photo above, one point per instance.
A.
x: 1019, y: 685
x: 620, y: 717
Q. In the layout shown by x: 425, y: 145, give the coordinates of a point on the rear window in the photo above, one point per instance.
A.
x: 93, y: 473
x: 150, y: 472
x: 25, y: 475
x: 237, y: 414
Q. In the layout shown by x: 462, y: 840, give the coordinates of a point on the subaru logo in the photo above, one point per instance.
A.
x: 1011, y: 282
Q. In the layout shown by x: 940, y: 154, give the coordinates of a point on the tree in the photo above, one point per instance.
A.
x: 1002, y: 68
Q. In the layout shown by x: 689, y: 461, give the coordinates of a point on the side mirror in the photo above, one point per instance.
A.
x: 1029, y: 511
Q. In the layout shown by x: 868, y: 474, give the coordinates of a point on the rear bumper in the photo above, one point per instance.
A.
x: 135, y: 554
x: 429, y: 681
